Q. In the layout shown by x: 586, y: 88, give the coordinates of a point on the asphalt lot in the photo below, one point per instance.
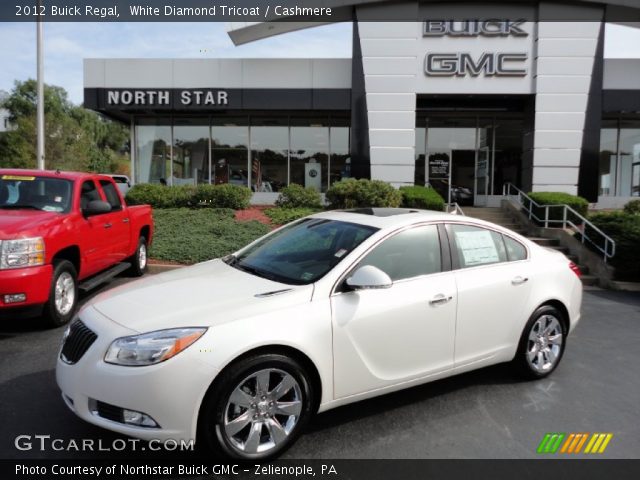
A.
x: 483, y: 414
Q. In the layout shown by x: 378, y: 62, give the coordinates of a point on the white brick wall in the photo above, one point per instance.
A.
x: 565, y: 54
x: 389, y: 64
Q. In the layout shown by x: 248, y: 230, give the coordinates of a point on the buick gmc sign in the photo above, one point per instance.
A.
x: 488, y: 64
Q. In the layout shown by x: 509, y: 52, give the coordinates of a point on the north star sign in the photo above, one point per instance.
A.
x: 489, y: 64
x: 166, y: 98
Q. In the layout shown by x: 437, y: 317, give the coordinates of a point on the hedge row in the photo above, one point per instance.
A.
x: 422, y: 197
x: 579, y: 204
x: 352, y: 193
x: 216, y: 196
x: 624, y: 228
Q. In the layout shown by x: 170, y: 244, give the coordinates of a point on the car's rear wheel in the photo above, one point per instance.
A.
x: 258, y: 407
x: 63, y: 294
x: 542, y: 343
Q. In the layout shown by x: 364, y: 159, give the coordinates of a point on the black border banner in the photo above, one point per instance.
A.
x: 583, y: 469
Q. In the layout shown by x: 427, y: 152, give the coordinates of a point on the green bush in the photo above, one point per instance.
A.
x: 282, y: 216
x: 160, y: 196
x: 188, y: 235
x: 422, y: 197
x: 296, y: 196
x: 579, y: 204
x: 633, y: 207
x: 217, y: 196
x: 352, y: 193
x: 624, y: 228
x: 223, y: 196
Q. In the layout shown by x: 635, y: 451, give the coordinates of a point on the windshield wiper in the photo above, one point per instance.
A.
x: 10, y: 206
x: 255, y: 271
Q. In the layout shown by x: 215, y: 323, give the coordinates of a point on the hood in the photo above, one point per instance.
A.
x: 25, y: 223
x: 206, y: 294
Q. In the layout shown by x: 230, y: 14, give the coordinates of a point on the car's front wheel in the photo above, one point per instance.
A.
x: 258, y: 407
x: 542, y: 343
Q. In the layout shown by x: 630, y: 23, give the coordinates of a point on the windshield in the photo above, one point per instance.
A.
x: 302, y: 252
x: 36, y: 193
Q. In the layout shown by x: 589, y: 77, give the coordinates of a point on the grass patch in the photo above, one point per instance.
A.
x: 194, y: 235
x: 281, y: 216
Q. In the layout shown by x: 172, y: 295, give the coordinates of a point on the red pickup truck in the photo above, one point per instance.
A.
x: 61, y: 232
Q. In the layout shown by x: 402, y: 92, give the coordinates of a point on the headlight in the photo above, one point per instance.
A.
x: 24, y: 252
x: 151, y: 348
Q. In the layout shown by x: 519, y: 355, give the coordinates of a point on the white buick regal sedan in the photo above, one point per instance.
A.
x: 338, y: 307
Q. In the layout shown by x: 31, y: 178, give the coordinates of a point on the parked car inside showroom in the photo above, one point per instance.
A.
x: 334, y: 308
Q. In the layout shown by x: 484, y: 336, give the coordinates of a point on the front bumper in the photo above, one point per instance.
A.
x: 34, y: 282
x: 170, y: 392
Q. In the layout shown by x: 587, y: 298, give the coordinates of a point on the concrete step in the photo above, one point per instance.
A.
x: 589, y: 280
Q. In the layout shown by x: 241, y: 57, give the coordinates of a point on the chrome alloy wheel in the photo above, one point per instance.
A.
x: 545, y: 343
x: 65, y: 293
x: 142, y: 256
x: 262, y: 410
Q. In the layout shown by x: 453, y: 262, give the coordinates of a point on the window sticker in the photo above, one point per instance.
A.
x: 18, y: 177
x: 340, y: 253
x: 477, y: 247
x: 306, y: 276
x: 57, y: 199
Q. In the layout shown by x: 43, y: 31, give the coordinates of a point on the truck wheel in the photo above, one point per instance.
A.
x: 139, y: 259
x: 63, y: 295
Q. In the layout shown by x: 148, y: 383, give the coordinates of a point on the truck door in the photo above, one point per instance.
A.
x: 117, y: 223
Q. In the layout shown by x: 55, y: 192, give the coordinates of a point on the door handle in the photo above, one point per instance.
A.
x: 125, y: 220
x: 439, y: 299
x: 107, y: 225
x: 519, y: 280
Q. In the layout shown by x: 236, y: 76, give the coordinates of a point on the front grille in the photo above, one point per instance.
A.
x: 110, y: 412
x: 78, y: 341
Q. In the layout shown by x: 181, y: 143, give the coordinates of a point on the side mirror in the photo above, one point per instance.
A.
x: 96, y: 207
x: 369, y: 277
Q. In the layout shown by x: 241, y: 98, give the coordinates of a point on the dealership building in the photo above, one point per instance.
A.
x: 498, y: 95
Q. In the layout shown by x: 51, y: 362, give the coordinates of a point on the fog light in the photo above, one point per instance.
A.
x: 132, y: 417
x: 15, y: 298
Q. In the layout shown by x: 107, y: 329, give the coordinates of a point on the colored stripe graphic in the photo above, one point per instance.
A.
x: 572, y: 443
x: 551, y: 442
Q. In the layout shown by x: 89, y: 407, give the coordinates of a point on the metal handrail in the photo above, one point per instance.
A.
x: 453, y: 208
x: 527, y: 204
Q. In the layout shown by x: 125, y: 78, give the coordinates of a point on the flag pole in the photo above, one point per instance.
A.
x: 40, y: 93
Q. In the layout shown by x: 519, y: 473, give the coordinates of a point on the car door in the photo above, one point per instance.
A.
x: 492, y: 291
x: 116, y: 223
x: 384, y: 337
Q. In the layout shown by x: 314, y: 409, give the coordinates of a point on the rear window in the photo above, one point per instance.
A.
x: 110, y: 191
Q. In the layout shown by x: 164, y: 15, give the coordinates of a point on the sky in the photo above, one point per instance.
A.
x: 66, y: 44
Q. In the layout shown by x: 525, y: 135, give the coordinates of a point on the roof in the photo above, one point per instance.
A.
x: 46, y: 173
x: 386, y: 217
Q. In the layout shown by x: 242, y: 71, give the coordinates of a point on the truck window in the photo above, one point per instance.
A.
x: 111, y: 193
x: 89, y: 193
x: 34, y: 192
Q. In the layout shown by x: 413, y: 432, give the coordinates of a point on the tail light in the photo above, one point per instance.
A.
x: 575, y: 269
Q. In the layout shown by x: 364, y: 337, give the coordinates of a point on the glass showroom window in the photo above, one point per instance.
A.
x: 230, y: 150
x: 309, y: 152
x: 340, y: 159
x: 190, y: 151
x: 629, y: 159
x: 508, y: 153
x: 420, y: 174
x: 608, y: 158
x: 269, y: 153
x: 153, y: 150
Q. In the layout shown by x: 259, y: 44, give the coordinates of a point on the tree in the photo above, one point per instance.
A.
x: 75, y: 138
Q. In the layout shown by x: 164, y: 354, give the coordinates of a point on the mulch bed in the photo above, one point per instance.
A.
x: 255, y: 212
